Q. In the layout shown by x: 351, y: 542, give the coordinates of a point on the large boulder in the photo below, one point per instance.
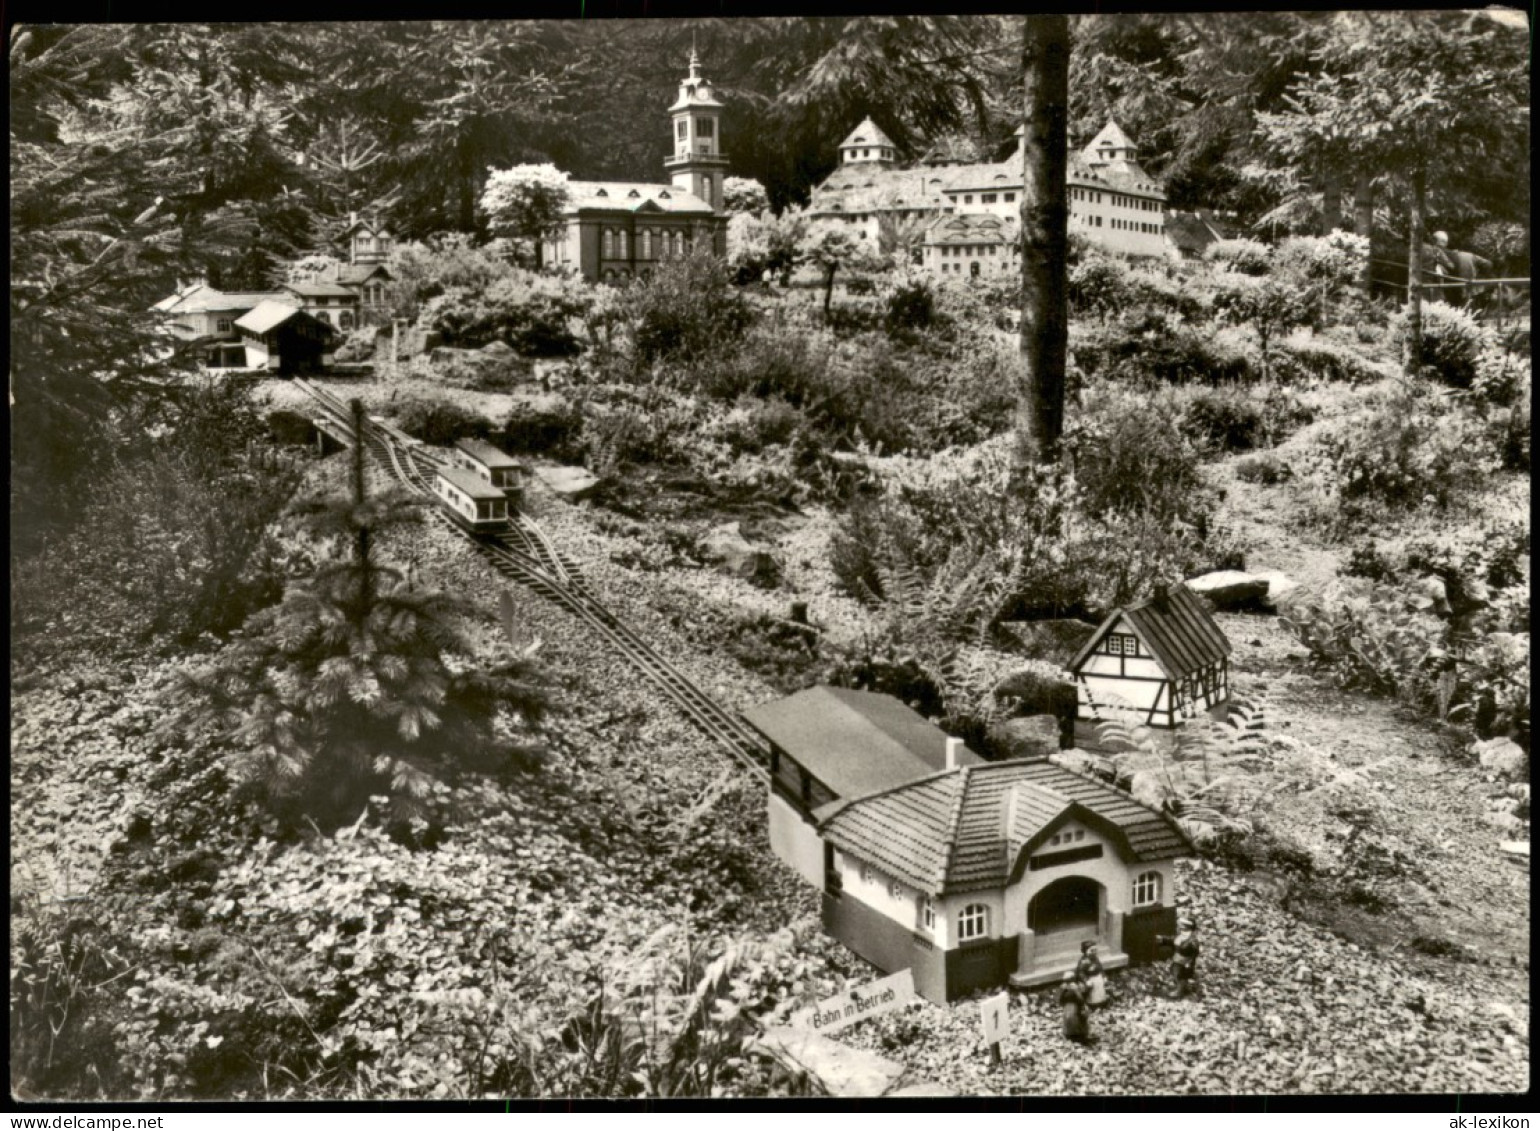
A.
x: 1055, y: 641
x: 726, y: 548
x: 1033, y: 736
x: 571, y: 483
x: 1230, y: 590
x: 1279, y: 586
x: 1501, y: 756
x: 498, y: 349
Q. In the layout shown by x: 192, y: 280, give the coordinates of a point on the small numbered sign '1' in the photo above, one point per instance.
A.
x: 995, y: 1018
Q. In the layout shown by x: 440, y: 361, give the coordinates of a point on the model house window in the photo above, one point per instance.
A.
x: 866, y: 874
x: 646, y: 244
x: 704, y: 127
x: 682, y: 131
x: 705, y: 189
x: 973, y: 923
x: 968, y: 199
x: 223, y: 325
x: 987, y: 198
x: 927, y: 913
x: 345, y: 320
x: 609, y: 244
x: 895, y: 889
x: 1146, y: 889
x: 324, y: 317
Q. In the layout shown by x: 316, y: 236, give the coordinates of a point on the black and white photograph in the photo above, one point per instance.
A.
x: 884, y: 558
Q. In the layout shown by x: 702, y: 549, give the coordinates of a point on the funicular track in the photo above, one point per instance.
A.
x: 524, y: 554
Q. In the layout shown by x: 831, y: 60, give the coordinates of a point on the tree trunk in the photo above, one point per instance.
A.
x: 828, y: 289
x: 1413, y: 361
x: 1044, y: 236
x: 1331, y: 203
x: 362, y: 547
x: 1363, y: 221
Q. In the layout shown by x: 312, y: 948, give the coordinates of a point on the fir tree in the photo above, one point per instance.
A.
x: 361, y: 683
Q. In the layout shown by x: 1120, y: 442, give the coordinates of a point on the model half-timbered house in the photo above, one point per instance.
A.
x: 1164, y: 659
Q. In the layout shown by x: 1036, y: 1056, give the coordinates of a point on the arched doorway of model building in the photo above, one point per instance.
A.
x: 1067, y: 907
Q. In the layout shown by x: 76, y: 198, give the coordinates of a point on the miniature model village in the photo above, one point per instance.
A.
x: 468, y: 702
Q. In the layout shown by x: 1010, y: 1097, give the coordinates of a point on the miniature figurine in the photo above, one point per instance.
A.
x: 1185, y: 961
x: 1077, y: 1020
x: 1089, y: 971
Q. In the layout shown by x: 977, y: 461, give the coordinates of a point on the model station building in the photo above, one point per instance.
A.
x: 970, y: 874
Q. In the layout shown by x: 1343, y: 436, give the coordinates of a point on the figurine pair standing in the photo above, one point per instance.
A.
x: 1084, y: 987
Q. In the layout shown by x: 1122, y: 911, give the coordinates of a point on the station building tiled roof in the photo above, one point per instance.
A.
x: 486, y: 454
x: 969, y: 829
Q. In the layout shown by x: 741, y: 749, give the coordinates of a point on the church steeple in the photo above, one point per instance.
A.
x: 698, y: 163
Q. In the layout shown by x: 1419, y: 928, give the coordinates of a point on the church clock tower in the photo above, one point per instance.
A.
x: 697, y: 164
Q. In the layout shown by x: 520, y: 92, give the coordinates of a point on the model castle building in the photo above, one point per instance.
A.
x: 970, y: 209
x: 615, y: 230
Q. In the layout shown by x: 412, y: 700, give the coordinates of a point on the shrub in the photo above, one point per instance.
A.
x: 1452, y: 343
x: 423, y: 271
x: 1500, y: 377
x: 1225, y: 418
x: 755, y: 425
x: 1267, y: 468
x: 1131, y: 453
x: 1246, y: 257
x: 911, y: 308
x: 1318, y: 360
x: 550, y: 427
x: 1407, y: 450
x: 287, y: 427
x: 689, y: 309
x: 532, y: 313
x: 1514, y: 435
x: 1101, y: 285
x: 439, y: 422
x: 1152, y: 346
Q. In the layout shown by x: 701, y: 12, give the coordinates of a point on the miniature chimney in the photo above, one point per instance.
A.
x: 1162, y: 598
x: 953, y: 747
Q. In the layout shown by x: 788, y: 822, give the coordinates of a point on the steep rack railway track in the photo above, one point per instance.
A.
x: 524, y: 554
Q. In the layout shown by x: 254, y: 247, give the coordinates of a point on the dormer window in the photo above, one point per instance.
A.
x: 664, y: 195
x: 633, y: 194
x: 601, y: 192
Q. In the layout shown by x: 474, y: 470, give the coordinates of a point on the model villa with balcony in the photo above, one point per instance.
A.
x: 1164, y: 660
x: 970, y: 874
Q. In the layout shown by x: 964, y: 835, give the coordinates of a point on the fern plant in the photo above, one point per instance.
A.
x: 1209, y: 774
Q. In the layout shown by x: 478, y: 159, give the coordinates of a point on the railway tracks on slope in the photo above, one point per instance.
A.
x: 526, y: 555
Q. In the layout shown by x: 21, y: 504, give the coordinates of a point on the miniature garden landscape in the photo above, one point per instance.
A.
x: 311, y: 799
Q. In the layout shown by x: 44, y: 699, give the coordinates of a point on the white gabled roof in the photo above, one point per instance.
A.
x: 867, y: 133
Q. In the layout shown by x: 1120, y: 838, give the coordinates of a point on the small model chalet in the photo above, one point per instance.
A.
x: 1164, y: 657
x: 283, y: 337
x: 970, y: 874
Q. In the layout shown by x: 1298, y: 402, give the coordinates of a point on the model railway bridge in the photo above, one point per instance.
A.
x: 524, y: 554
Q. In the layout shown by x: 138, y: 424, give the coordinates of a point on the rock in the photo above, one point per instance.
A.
x: 921, y: 1090
x: 1035, y: 736
x: 1230, y: 590
x: 571, y: 483
x: 843, y: 1071
x: 1055, y: 641
x: 1430, y: 594
x: 1279, y: 586
x: 726, y: 548
x: 452, y: 355
x: 1501, y: 755
x: 498, y: 349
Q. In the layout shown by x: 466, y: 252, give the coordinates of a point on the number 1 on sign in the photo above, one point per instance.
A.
x: 994, y: 1014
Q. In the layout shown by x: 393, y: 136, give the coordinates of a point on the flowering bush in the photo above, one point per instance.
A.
x: 535, y: 314
x: 1246, y: 257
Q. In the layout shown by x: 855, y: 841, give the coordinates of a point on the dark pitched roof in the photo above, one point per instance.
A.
x: 319, y: 290
x: 270, y: 313
x: 965, y: 829
x: 486, y: 454
x: 1179, y: 632
x: 359, y: 272
x: 855, y: 742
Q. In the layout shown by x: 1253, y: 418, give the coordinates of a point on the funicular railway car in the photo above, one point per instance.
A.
x: 493, y: 465
x: 472, y: 502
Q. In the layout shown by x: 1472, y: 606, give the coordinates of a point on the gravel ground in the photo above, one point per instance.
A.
x: 1291, y: 1004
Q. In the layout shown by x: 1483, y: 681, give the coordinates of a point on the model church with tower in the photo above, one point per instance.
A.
x: 618, y: 230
